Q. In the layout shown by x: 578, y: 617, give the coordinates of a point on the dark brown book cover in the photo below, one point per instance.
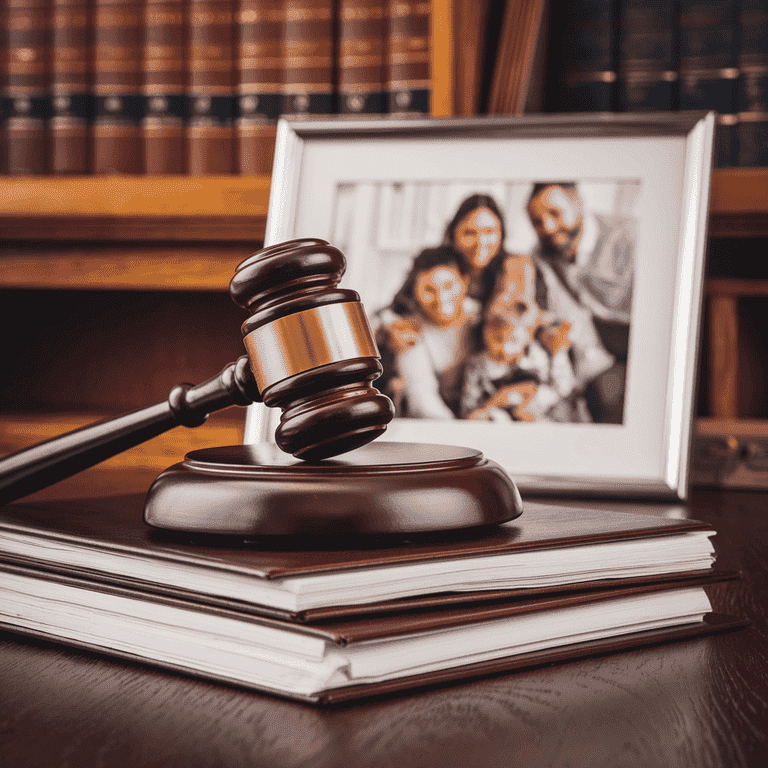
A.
x: 408, y: 66
x: 115, y: 525
x: 118, y: 47
x: 28, y: 35
x: 647, y: 56
x: 347, y: 633
x: 362, y: 52
x: 164, y: 127
x: 211, y: 73
x: 582, y: 52
x: 71, y: 86
x: 709, y: 67
x: 309, y: 57
x: 260, y: 70
x: 752, y: 126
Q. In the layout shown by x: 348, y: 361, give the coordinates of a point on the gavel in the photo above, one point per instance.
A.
x: 310, y: 352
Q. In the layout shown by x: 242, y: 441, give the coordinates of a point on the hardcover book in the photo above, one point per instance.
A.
x: 647, y: 56
x: 326, y: 621
x: 752, y: 126
x: 71, y: 87
x: 260, y: 59
x: 582, y: 69
x: 708, y: 67
x: 164, y: 127
x: 211, y: 66
x: 310, y: 58
x: 118, y: 48
x: 408, y: 66
x: 361, y: 56
x: 28, y: 35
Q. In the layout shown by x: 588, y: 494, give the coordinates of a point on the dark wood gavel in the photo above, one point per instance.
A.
x: 310, y: 352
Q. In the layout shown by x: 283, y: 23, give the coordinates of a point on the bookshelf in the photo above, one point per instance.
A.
x: 116, y: 286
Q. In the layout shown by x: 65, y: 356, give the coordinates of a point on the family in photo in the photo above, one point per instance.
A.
x: 476, y: 332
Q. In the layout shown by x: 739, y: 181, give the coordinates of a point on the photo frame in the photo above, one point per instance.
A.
x: 385, y: 191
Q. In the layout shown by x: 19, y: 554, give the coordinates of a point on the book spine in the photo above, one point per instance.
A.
x: 408, y: 68
x: 28, y: 24
x: 5, y: 102
x: 71, y: 87
x: 708, y: 67
x: 310, y: 66
x: 752, y: 126
x: 163, y: 127
x: 647, y: 56
x: 210, y: 134
x: 361, y: 57
x: 583, y: 68
x: 118, y: 48
x: 261, y: 25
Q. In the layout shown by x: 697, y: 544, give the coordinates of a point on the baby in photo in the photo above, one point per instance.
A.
x: 524, y: 371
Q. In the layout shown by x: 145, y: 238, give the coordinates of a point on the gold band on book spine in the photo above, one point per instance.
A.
x: 308, y: 339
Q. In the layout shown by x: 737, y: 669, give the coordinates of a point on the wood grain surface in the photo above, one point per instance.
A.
x: 698, y: 703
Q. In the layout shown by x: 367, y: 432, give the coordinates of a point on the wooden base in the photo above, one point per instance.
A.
x: 381, y: 488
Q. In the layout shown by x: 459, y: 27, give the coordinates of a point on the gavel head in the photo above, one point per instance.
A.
x: 311, y: 349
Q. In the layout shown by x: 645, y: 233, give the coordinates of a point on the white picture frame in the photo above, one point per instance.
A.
x: 660, y: 165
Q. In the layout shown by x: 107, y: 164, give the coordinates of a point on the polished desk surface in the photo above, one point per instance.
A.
x: 696, y: 703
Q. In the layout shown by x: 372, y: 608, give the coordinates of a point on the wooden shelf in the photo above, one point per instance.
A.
x: 134, y: 208
x: 161, y: 267
x: 234, y: 208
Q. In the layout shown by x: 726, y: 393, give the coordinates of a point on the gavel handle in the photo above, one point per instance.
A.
x: 46, y: 463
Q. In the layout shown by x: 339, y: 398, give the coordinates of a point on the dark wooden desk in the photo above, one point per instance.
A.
x: 696, y: 703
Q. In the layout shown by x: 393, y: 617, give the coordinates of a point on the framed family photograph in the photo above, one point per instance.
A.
x: 534, y: 284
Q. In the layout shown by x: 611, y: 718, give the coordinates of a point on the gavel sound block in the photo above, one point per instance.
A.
x: 311, y: 353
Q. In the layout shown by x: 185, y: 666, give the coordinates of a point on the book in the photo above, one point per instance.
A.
x: 519, y: 58
x: 326, y: 621
x: 211, y: 65
x: 752, y: 126
x: 549, y: 547
x: 27, y: 88
x: 163, y: 127
x: 583, y: 56
x: 647, y: 56
x: 260, y: 57
x: 310, y: 58
x: 117, y: 85
x: 708, y: 67
x: 408, y: 61
x: 361, y: 57
x: 71, y: 87
x: 332, y: 661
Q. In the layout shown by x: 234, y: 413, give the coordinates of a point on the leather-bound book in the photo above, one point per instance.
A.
x: 583, y: 56
x: 165, y: 81
x: 648, y: 56
x: 326, y: 620
x: 211, y: 64
x: 309, y: 57
x: 261, y: 26
x: 708, y: 67
x: 361, y: 56
x: 118, y: 48
x: 71, y: 87
x: 5, y: 102
x: 752, y: 126
x: 408, y: 69
x: 28, y: 25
